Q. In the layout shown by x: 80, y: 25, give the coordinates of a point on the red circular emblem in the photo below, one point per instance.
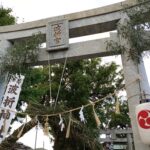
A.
x: 144, y: 119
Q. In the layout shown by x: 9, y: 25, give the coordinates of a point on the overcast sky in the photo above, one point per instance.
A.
x: 30, y: 10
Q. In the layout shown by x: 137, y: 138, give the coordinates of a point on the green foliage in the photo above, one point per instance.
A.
x: 22, y: 52
x: 134, y: 31
x: 5, y: 16
x: 82, y: 81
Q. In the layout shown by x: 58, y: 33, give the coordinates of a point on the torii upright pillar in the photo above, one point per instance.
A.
x: 136, y: 83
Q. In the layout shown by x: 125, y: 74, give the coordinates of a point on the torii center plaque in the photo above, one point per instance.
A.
x: 57, y: 36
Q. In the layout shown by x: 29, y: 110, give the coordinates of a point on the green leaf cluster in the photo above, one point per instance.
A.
x: 5, y: 16
x: 134, y: 31
x: 82, y: 81
x: 21, y: 53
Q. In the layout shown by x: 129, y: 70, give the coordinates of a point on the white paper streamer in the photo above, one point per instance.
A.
x: 61, y: 123
x: 81, y: 115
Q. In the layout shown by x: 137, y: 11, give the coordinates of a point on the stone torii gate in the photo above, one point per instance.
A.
x: 74, y: 25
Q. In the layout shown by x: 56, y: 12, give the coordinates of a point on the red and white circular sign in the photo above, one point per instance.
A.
x: 144, y: 119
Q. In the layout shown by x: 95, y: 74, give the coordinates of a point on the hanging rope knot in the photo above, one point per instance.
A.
x: 4, y: 122
x: 21, y: 131
x: 117, y: 111
x: 98, y: 122
x: 36, y: 119
x: 46, y: 126
x: 69, y: 125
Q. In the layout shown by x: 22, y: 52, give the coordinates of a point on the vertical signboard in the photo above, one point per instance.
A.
x: 9, y: 103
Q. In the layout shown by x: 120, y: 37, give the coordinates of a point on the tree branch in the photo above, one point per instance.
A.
x: 9, y: 142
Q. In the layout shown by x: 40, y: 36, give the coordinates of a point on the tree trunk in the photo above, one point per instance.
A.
x: 9, y: 142
x: 61, y: 143
x: 76, y: 141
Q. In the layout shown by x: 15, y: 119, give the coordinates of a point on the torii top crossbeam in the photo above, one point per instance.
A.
x: 89, y: 22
